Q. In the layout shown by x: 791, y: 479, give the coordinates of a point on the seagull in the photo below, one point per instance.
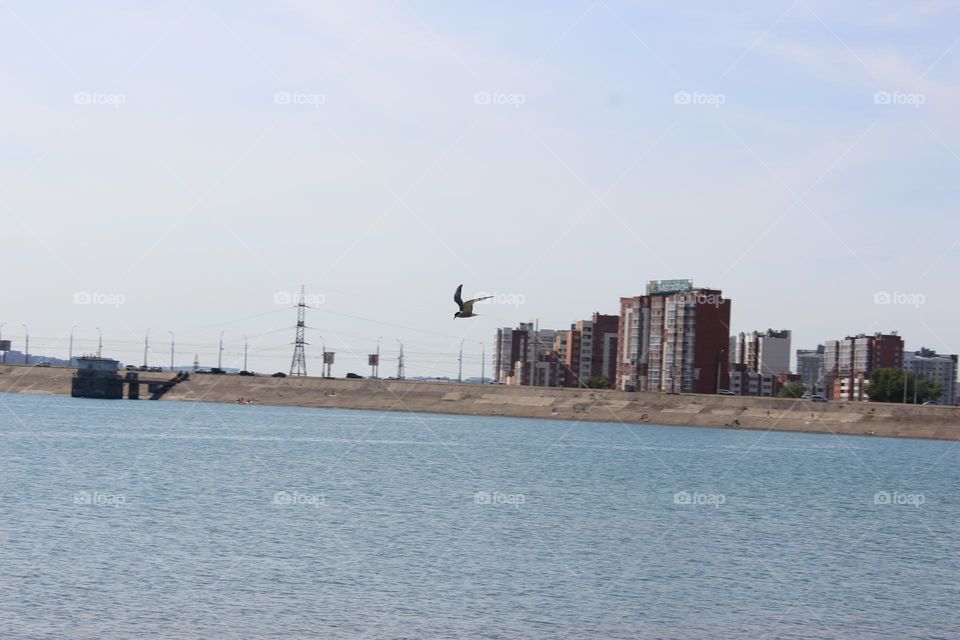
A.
x: 466, y: 308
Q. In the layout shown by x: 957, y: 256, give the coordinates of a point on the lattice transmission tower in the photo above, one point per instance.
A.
x: 298, y: 366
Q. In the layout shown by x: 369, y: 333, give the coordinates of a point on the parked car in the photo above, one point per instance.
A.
x: 930, y: 403
x: 43, y: 364
x: 279, y: 374
x: 156, y: 369
x: 246, y: 373
x: 131, y: 367
x: 817, y: 398
x: 725, y: 392
x: 354, y: 376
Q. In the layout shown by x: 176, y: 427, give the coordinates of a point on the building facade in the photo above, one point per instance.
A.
x: 810, y: 369
x: 848, y: 363
x: 675, y: 338
x: 525, y: 356
x: 938, y: 368
x: 766, y: 352
x: 588, y: 350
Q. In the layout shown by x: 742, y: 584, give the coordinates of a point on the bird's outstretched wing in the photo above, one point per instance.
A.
x: 457, y: 298
x: 468, y: 305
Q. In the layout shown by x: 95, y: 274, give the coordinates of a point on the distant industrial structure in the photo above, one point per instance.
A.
x: 98, y: 377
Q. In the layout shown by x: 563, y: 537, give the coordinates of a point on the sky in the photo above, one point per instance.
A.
x: 186, y: 166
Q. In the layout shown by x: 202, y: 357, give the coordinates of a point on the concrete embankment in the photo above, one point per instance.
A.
x: 526, y: 402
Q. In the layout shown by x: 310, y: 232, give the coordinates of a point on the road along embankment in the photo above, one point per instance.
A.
x: 854, y: 418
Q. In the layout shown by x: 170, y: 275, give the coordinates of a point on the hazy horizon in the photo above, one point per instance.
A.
x: 185, y: 167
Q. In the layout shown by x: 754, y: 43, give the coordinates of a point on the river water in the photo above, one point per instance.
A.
x: 124, y: 519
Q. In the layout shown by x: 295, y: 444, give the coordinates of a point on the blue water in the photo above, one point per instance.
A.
x: 127, y: 519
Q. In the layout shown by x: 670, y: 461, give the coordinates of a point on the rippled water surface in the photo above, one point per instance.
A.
x: 127, y: 519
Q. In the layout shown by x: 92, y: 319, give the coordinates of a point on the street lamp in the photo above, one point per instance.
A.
x: 483, y: 363
x: 99, y: 342
x: 323, y: 359
x: 220, y: 354
x: 70, y: 355
x: 244, y: 352
x: 146, y: 346
x: 460, y: 364
x: 171, y: 349
x: 26, y: 330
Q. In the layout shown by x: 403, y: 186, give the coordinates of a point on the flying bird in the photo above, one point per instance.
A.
x: 466, y: 308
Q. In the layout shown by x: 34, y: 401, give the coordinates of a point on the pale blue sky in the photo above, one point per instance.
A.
x: 386, y: 184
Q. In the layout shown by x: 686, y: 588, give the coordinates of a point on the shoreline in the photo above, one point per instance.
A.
x: 548, y: 403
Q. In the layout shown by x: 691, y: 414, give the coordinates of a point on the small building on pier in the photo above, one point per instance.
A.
x: 97, y: 378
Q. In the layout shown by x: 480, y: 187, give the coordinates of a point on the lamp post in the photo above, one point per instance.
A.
x: 26, y: 358
x: 171, y: 349
x: 220, y: 353
x: 146, y: 346
x: 99, y: 342
x: 483, y: 363
x: 323, y: 358
x: 70, y: 353
x: 460, y: 364
x: 244, y: 352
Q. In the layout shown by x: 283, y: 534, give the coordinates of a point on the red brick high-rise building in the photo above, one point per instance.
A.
x: 674, y: 339
x: 847, y: 363
x: 588, y: 350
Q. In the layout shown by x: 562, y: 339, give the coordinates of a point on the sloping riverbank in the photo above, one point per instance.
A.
x: 531, y: 402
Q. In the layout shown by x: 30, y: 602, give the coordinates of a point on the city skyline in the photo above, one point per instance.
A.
x: 798, y: 156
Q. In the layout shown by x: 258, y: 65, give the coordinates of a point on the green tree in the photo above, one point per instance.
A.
x: 887, y: 385
x: 603, y: 382
x: 794, y: 389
